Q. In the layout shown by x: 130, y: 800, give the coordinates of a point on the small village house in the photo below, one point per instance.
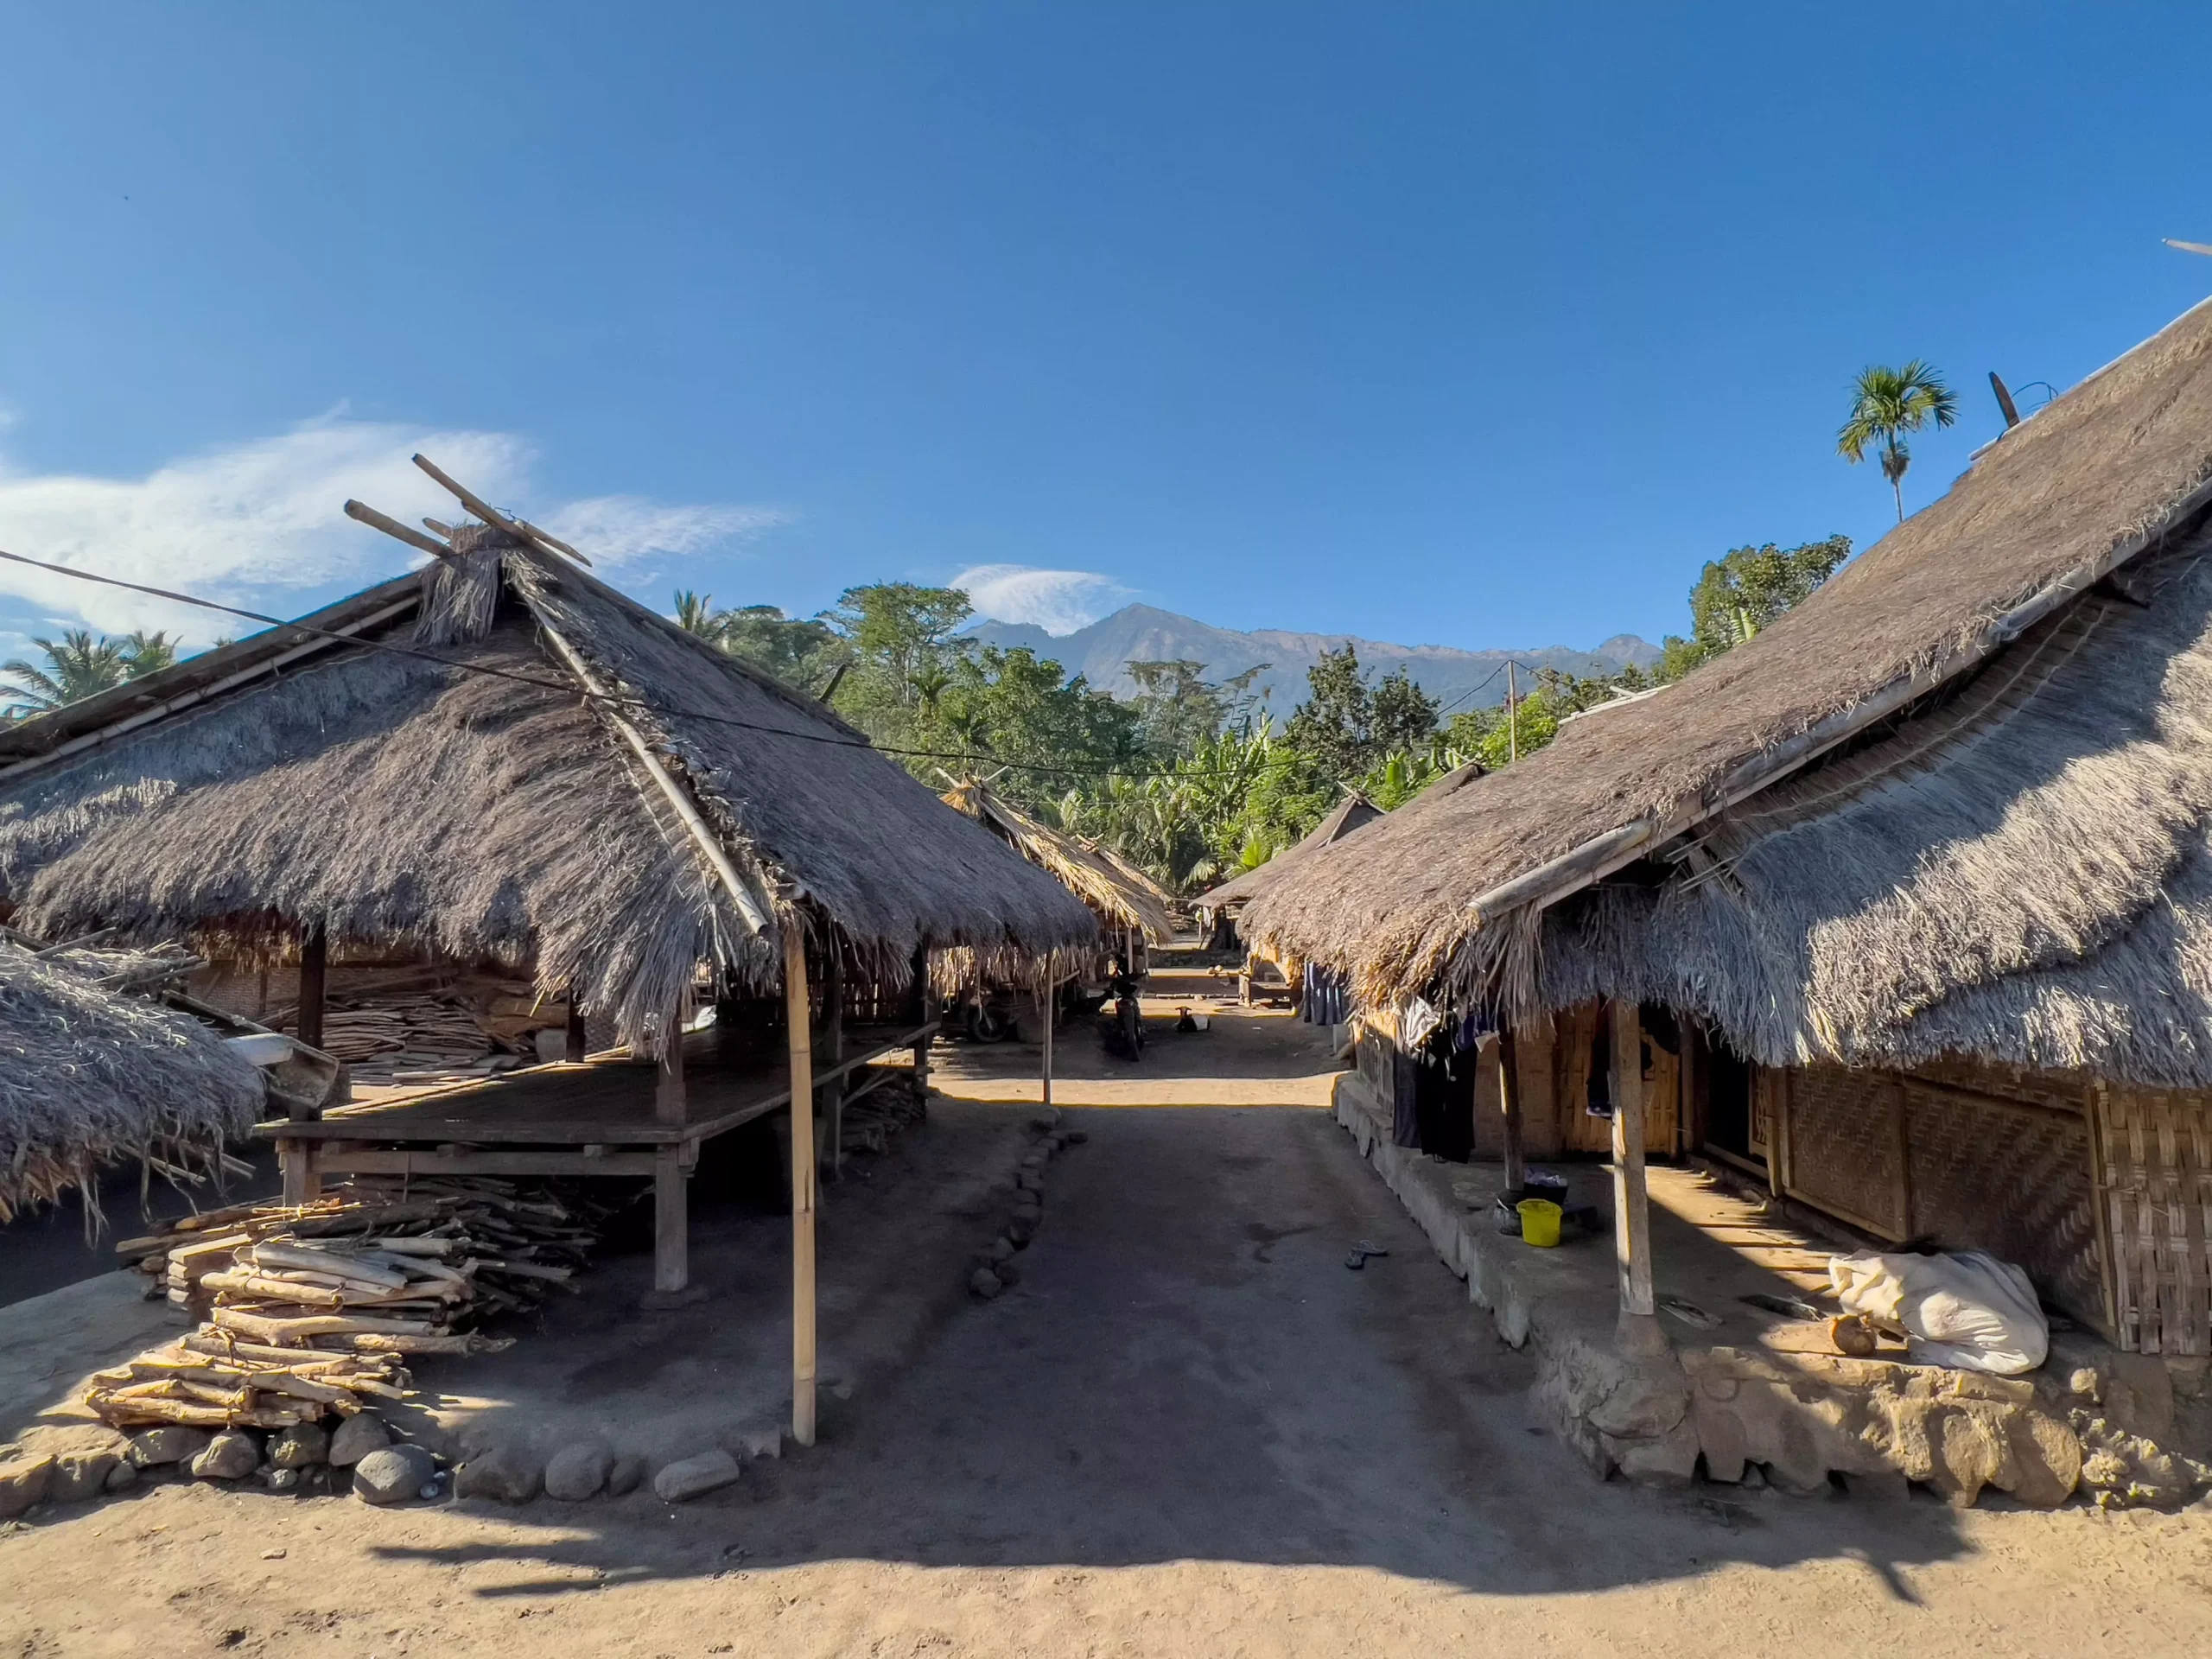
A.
x: 1902, y: 907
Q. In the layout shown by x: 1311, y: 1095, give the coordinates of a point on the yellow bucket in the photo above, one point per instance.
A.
x: 1539, y: 1221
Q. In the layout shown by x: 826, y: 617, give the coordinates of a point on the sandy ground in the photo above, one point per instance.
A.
x: 1188, y: 1430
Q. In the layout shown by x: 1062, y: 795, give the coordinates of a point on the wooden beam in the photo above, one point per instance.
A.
x: 709, y: 845
x: 401, y: 1161
x: 832, y: 1049
x: 363, y: 514
x: 520, y: 529
x: 921, y: 1011
x: 799, y: 1018
x: 1639, y: 1326
x: 1052, y: 1007
x: 1508, y: 1106
x: 668, y: 1079
x: 314, y: 973
x: 672, y: 1223
x: 578, y: 1044
x: 300, y: 1162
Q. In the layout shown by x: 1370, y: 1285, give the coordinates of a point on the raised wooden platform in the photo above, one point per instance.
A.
x: 607, y: 1102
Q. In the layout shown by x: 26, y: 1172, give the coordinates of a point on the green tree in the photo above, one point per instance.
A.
x: 1887, y: 406
x: 1344, y: 726
x: 798, y: 651
x: 897, y: 632
x: 145, y: 653
x: 1014, y: 706
x: 1179, y: 709
x: 695, y: 615
x: 77, y: 666
x: 1737, y: 594
x: 1403, y: 716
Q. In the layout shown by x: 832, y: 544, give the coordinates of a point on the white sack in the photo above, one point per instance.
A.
x: 1968, y: 1310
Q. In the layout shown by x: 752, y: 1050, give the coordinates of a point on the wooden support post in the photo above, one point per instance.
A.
x: 315, y: 978
x: 668, y: 1084
x: 302, y: 1179
x: 1051, y: 1009
x: 1508, y: 1106
x: 799, y: 1018
x: 921, y: 1012
x: 672, y: 1223
x: 577, y: 1041
x: 1639, y: 1330
x: 833, y: 1053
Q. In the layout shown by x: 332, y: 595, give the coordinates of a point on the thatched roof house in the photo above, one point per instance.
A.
x: 1905, y: 904
x: 1353, y: 812
x: 1118, y: 894
x: 1957, y: 803
x: 89, y: 1075
x: 502, y: 758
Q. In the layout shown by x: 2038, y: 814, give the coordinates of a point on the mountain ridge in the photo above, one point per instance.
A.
x: 1458, y: 677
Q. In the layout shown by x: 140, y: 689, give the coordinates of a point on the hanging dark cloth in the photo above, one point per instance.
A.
x: 1324, y: 999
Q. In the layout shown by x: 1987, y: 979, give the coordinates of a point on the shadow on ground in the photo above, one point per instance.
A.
x: 1188, y: 1372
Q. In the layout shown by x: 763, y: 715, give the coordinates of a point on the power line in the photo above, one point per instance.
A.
x: 569, y: 689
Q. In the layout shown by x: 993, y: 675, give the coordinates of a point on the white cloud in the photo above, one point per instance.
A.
x: 245, y: 522
x: 1058, y: 602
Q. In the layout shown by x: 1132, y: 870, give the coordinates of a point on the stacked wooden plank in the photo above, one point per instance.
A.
x: 303, y: 1310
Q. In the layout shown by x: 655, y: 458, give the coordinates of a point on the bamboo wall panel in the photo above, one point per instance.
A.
x: 1844, y: 1147
x: 1987, y: 1174
x: 2156, y: 1186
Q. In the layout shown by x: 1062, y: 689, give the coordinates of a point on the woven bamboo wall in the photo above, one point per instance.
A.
x: 2011, y: 1179
x: 2155, y: 1179
x: 1845, y: 1148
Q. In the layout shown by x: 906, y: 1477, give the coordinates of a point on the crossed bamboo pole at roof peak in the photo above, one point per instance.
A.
x: 521, y: 528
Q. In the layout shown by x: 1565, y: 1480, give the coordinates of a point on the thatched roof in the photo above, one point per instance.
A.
x: 1347, y: 815
x: 1118, y: 895
x: 88, y: 1076
x: 1946, y: 805
x: 454, y: 792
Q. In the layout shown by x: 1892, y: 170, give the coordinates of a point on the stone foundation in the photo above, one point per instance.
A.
x: 2111, y: 1425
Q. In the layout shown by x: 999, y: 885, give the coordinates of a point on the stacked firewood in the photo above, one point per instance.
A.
x: 423, y: 1033
x: 302, y: 1309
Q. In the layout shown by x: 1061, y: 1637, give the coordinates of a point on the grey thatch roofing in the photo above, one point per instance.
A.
x: 1347, y: 815
x: 2007, y: 863
x: 1118, y: 894
x: 413, y: 801
x: 88, y: 1076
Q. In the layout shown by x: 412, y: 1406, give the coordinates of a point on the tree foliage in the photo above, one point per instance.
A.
x: 78, y: 666
x: 1888, y: 405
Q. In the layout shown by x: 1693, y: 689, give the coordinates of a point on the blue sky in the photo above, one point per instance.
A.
x: 1455, y: 323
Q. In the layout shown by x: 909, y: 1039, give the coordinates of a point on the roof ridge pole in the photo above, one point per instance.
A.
x: 709, y: 844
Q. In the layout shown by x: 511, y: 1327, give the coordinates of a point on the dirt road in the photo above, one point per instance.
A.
x: 1188, y: 1430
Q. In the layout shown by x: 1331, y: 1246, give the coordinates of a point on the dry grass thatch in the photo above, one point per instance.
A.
x: 2005, y: 872
x: 406, y: 803
x: 1116, y: 894
x: 1354, y: 811
x: 88, y: 1076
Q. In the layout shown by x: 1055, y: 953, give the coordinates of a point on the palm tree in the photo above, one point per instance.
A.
x: 695, y: 615
x: 77, y: 668
x: 1887, y: 403
x: 145, y: 653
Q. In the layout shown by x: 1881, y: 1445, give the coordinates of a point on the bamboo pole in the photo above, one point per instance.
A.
x: 1508, y: 1106
x: 362, y: 513
x: 315, y: 979
x: 703, y: 838
x: 521, y: 528
x: 1051, y: 1007
x: 1639, y: 1326
x: 799, y: 1018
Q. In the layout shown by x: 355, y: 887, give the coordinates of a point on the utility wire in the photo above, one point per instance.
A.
x: 569, y: 688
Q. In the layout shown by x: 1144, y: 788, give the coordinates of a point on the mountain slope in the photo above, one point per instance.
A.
x: 1462, y: 679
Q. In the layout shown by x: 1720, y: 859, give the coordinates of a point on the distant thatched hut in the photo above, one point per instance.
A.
x: 1909, y: 900
x: 91, y: 1075
x: 1127, y: 902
